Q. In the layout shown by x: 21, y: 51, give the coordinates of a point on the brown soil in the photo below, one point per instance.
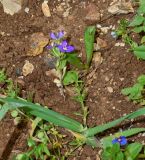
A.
x: 118, y: 70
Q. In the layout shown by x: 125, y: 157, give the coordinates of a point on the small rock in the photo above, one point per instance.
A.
x: 107, y: 78
x: 26, y: 10
x: 114, y: 34
x: 66, y: 13
x: 12, y: 6
x: 98, y: 26
x: 119, y: 44
x: 93, y: 14
x: 97, y: 58
x: 37, y: 43
x: 51, y: 73
x: 110, y: 89
x: 121, y: 79
x: 57, y: 82
x: 45, y: 9
x: 104, y: 30
x: 27, y: 68
x: 120, y: 7
x: 59, y: 8
x: 101, y: 43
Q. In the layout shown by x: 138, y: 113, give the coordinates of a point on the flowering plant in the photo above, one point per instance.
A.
x: 64, y: 53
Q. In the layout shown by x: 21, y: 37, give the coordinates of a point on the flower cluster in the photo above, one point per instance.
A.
x: 121, y: 140
x: 63, y: 45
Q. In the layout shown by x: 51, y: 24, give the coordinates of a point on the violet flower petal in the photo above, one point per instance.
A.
x: 53, y: 36
x: 60, y: 34
x: 121, y: 140
x: 70, y: 49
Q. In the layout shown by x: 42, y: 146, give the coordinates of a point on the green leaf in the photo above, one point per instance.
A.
x: 138, y: 20
x: 107, y: 154
x: 14, y: 113
x: 89, y: 42
x: 31, y: 142
x: 45, y: 148
x: 133, y: 150
x: 44, y: 113
x: 55, y: 51
x: 140, y: 52
x: 75, y: 60
x: 120, y: 156
x: 3, y: 110
x: 141, y: 80
x: 62, y: 63
x: 95, y: 130
x: 138, y: 29
x: 143, y: 39
x: 70, y: 78
x: 134, y: 93
x: 141, y: 9
x: 92, y: 141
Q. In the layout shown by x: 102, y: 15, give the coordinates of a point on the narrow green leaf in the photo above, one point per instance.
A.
x: 93, y: 142
x: 119, y: 156
x: 89, y: 42
x: 95, y: 130
x: 44, y: 113
x: 3, y: 110
x: 133, y: 150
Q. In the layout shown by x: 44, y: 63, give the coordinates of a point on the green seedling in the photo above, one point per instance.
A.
x: 3, y: 77
x: 137, y: 25
x: 10, y: 90
x: 129, y: 152
x: 136, y: 92
x: 45, y: 142
x: 72, y: 77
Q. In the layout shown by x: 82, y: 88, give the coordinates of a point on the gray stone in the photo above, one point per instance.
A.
x: 12, y: 6
x: 93, y: 13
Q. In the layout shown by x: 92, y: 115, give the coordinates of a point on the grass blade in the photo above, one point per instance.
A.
x: 95, y: 130
x: 44, y: 113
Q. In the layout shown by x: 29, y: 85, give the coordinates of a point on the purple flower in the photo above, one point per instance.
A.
x: 65, y: 47
x: 121, y: 140
x: 57, y: 36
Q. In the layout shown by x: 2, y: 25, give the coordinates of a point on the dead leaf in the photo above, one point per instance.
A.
x: 37, y: 43
x: 120, y: 7
x: 45, y: 9
x: 27, y: 68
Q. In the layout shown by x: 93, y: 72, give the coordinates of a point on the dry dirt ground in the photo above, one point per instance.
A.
x: 119, y: 68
